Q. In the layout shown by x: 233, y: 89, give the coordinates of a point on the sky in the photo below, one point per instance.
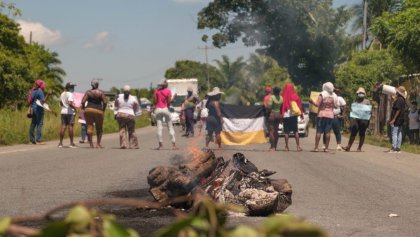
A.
x: 129, y: 42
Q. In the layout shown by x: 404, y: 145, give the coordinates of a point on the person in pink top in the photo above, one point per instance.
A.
x: 163, y: 98
x: 326, y: 103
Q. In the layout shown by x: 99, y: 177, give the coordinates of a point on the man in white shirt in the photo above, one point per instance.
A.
x: 126, y: 108
x: 68, y: 111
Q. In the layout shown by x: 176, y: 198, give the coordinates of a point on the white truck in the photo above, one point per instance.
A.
x: 179, y: 88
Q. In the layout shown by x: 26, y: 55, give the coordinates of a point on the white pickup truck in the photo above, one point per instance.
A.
x: 179, y: 89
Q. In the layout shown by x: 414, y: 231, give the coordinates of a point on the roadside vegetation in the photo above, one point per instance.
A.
x: 15, y: 126
x: 205, y: 218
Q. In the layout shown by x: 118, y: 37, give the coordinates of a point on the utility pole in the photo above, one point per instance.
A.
x: 365, y: 11
x: 30, y: 37
x: 205, y: 48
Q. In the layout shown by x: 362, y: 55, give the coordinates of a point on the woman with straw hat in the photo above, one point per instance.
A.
x: 214, y: 119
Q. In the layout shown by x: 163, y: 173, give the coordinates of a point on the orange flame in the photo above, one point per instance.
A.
x: 195, y: 151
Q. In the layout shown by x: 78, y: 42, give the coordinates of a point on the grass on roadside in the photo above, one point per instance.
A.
x: 14, y: 127
x: 384, y: 142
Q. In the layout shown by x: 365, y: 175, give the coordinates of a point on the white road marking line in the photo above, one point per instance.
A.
x: 13, y: 151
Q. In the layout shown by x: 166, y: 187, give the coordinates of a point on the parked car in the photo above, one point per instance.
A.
x: 175, y: 117
x: 303, y: 124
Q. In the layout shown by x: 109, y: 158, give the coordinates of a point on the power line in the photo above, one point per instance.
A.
x: 206, y: 48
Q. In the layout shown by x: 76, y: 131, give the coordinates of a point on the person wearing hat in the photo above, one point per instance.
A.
x: 397, y: 120
x: 358, y: 125
x: 126, y: 107
x: 68, y: 111
x: 326, y: 103
x: 37, y: 121
x: 214, y: 119
x: 163, y: 98
x: 94, y: 105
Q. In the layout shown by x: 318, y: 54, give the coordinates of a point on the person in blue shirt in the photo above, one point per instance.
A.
x: 37, y: 93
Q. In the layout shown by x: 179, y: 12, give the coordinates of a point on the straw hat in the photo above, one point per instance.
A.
x: 361, y: 90
x: 401, y: 90
x: 126, y: 88
x: 215, y: 91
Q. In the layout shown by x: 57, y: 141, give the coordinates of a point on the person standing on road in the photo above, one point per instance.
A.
x: 414, y: 123
x: 126, y: 107
x: 83, y: 126
x: 68, y: 111
x: 93, y: 106
x: 274, y: 118
x: 188, y: 110
x: 266, y: 99
x: 338, y: 118
x: 163, y: 98
x: 290, y: 110
x: 358, y: 125
x: 203, y: 113
x: 214, y: 120
x: 397, y: 120
x: 37, y: 93
x: 326, y: 102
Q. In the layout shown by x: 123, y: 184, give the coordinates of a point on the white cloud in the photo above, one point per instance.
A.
x: 40, y: 33
x: 102, y: 40
x: 190, y: 1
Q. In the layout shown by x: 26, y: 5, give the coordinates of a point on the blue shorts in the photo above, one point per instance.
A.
x: 323, y: 125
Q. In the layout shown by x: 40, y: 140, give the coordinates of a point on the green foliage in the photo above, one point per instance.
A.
x: 11, y: 9
x: 401, y: 31
x: 4, y: 224
x: 84, y: 222
x: 366, y: 68
x: 15, y: 125
x: 306, y: 37
x: 21, y: 64
x: 206, y: 218
x: 209, y: 219
x: 375, y: 9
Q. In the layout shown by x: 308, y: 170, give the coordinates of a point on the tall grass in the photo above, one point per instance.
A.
x: 384, y: 142
x: 14, y: 126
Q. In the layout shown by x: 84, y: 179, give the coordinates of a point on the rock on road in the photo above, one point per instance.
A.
x: 346, y: 193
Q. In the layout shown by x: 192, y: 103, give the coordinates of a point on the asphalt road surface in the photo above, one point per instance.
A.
x: 346, y: 193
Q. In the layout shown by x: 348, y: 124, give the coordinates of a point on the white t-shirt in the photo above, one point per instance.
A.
x: 66, y: 97
x: 129, y: 106
x: 340, y: 102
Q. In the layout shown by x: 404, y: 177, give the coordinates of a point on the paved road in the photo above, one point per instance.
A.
x: 349, y: 194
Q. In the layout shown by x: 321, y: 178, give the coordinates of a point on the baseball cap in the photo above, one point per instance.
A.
x: 70, y: 85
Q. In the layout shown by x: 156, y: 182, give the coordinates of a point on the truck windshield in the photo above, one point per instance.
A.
x: 178, y: 100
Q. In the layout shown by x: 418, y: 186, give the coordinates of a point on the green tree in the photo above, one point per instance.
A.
x: 401, y: 31
x: 193, y: 69
x: 306, y: 36
x: 21, y: 63
x: 375, y: 9
x: 232, y: 72
x: 45, y: 65
x: 366, y: 68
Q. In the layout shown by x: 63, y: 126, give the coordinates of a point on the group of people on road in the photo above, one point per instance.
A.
x: 281, y: 106
x: 91, y: 115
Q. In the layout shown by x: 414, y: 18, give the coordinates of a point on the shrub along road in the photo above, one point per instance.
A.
x: 348, y: 194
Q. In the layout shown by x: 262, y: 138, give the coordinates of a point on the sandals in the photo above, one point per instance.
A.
x: 315, y: 150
